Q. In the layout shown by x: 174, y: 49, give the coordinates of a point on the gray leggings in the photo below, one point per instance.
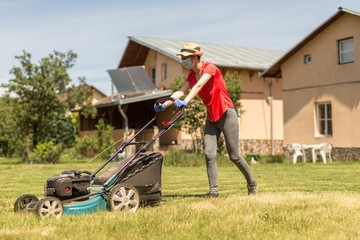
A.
x: 229, y: 125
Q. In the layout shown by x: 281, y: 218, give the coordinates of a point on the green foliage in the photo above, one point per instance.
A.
x: 104, y: 137
x: 59, y: 129
x: 256, y: 157
x: 12, y: 138
x: 46, y: 153
x: 86, y: 145
x: 273, y: 159
x: 265, y: 159
x: 95, y: 144
x: 41, y: 96
x: 233, y: 85
x: 81, y: 97
x: 181, y: 158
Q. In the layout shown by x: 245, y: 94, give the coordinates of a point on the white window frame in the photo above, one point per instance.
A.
x: 164, y: 72
x: 343, y: 51
x: 153, y: 75
x: 327, y: 120
x: 307, y: 59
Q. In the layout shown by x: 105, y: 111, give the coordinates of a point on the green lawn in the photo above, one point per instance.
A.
x: 303, y: 201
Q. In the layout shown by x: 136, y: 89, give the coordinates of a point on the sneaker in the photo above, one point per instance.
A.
x: 211, y: 195
x: 252, y: 189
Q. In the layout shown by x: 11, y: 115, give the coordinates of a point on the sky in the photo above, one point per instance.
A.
x: 98, y: 30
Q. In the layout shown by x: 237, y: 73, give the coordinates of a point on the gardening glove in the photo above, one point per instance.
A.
x: 180, y: 103
x: 159, y: 107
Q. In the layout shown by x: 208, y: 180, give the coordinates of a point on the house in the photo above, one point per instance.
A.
x: 97, y: 94
x: 321, y: 86
x: 94, y: 94
x: 152, y: 63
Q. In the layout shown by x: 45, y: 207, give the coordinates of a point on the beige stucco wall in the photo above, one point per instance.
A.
x: 319, y: 82
x: 156, y: 59
x: 255, y: 122
x: 97, y: 96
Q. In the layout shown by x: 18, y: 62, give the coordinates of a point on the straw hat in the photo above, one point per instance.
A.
x: 190, y: 49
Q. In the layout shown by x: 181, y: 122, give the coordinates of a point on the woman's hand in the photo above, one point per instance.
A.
x: 159, y: 107
x: 180, y: 103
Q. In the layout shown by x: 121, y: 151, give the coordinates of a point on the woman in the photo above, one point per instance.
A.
x: 206, y: 81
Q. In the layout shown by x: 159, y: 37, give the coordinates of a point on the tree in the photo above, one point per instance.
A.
x: 194, y: 117
x: 233, y: 85
x: 12, y: 138
x: 43, y: 94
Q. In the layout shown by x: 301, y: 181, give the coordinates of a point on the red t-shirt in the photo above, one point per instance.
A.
x: 214, y: 93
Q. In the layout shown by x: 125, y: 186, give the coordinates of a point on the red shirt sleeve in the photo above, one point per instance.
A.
x: 191, y: 78
x: 210, y: 69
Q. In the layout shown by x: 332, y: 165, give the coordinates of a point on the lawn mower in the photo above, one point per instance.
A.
x: 122, y: 187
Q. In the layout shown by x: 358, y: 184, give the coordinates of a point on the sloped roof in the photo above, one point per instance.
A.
x: 220, y: 55
x: 70, y: 91
x: 131, y: 98
x: 275, y: 71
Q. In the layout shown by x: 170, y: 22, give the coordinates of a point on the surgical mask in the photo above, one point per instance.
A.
x: 187, y: 63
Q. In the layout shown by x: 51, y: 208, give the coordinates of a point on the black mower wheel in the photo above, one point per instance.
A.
x: 123, y: 197
x: 23, y: 202
x: 49, y: 207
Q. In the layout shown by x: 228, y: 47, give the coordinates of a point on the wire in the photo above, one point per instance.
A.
x: 101, y: 152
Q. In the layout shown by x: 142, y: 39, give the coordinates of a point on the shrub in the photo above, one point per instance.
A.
x: 273, y: 159
x: 184, y: 158
x: 46, y: 153
x: 85, y: 146
x: 90, y: 145
x: 104, y: 137
x: 277, y: 159
x: 255, y: 156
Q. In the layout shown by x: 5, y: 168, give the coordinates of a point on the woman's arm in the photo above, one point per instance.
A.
x: 179, y: 93
x: 197, y: 87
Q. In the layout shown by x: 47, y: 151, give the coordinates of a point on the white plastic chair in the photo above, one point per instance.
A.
x: 297, y: 151
x: 325, y: 150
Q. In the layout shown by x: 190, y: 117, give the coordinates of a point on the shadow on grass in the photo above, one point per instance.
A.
x: 180, y: 196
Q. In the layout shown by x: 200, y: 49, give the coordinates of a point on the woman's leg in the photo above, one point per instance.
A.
x: 211, y: 138
x: 230, y: 127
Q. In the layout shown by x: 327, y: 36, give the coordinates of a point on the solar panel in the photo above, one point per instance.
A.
x: 130, y: 79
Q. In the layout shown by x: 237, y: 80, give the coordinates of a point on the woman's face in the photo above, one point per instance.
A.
x: 186, y: 57
x: 189, y: 61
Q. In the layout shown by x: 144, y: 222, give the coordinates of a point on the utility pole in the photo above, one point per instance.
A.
x: 271, y: 119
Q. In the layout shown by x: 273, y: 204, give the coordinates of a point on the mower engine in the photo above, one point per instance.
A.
x: 70, y: 184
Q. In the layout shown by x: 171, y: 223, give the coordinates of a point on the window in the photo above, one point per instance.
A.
x: 307, y: 59
x: 324, y: 119
x: 346, y: 50
x: 153, y: 75
x: 164, y: 72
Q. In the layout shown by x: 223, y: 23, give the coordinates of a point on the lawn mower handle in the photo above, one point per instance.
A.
x: 161, y: 100
x: 168, y: 126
